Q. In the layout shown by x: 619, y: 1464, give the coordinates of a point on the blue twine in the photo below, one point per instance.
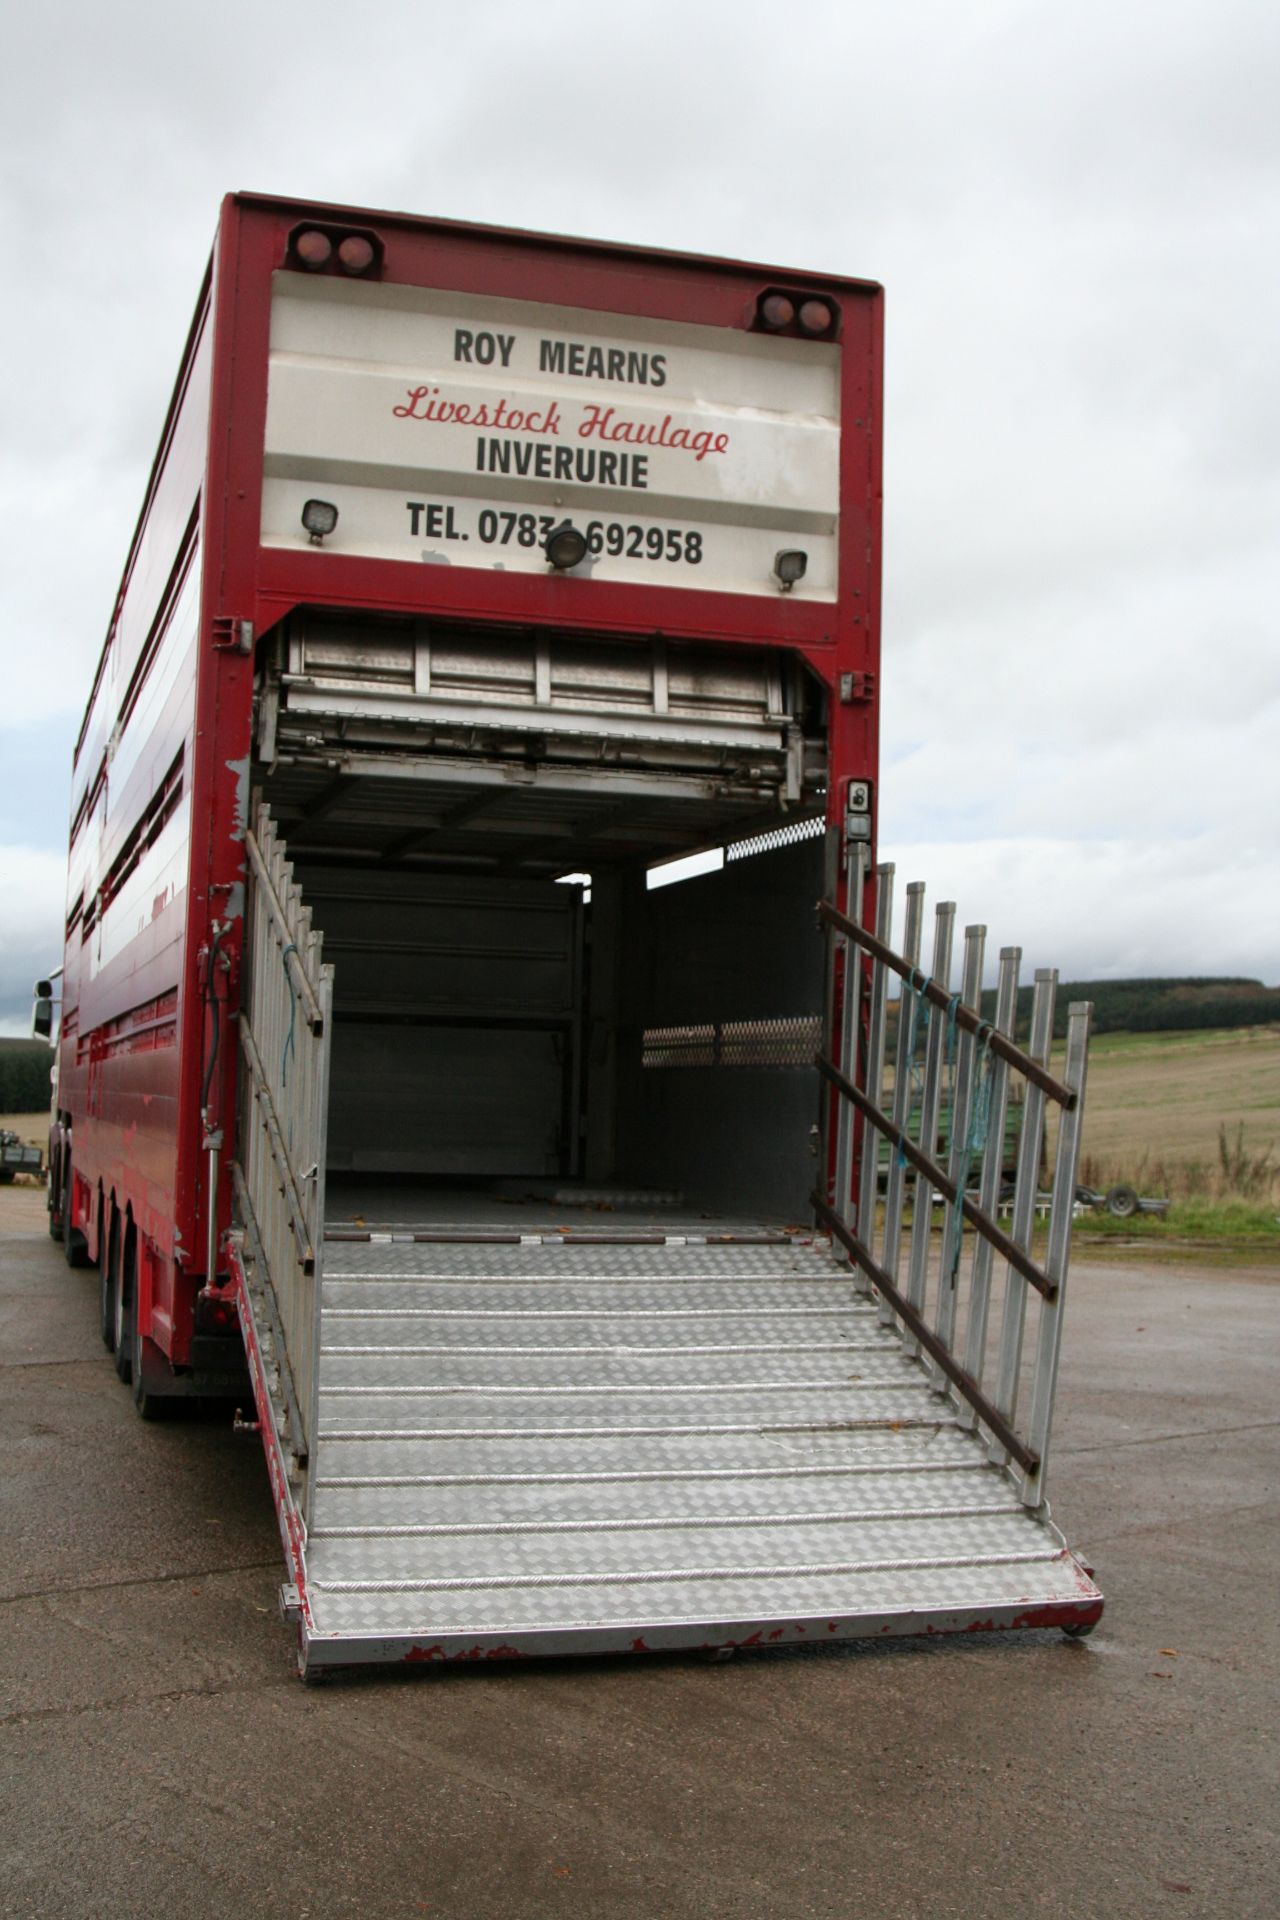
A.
x: 913, y: 984
x: 975, y: 1139
x: 293, y: 1005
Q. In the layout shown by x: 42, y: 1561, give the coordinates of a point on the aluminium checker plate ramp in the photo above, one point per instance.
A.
x: 548, y: 1447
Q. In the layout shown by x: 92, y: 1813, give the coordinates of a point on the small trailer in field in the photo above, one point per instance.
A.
x: 16, y: 1157
x: 480, y: 576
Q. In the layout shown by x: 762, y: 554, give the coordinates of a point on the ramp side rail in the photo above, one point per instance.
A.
x: 284, y: 1039
x: 943, y: 1109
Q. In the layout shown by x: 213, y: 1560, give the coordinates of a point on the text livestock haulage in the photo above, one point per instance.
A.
x: 598, y: 423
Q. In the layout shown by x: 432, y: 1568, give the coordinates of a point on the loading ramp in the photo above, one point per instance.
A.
x: 559, y: 1446
x: 494, y: 1431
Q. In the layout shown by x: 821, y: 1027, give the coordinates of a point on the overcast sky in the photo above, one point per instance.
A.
x: 1076, y: 214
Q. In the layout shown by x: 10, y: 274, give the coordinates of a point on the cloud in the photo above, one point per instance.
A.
x: 1074, y: 213
x: 1106, y: 910
x: 30, y: 928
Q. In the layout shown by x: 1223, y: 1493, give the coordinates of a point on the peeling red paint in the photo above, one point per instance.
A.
x: 416, y: 1655
x: 1070, y: 1614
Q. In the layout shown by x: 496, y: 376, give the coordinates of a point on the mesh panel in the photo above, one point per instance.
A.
x: 776, y: 837
x: 788, y: 1041
x: 679, y: 1047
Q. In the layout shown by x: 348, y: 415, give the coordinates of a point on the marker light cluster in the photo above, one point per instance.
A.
x: 318, y: 249
x: 805, y: 315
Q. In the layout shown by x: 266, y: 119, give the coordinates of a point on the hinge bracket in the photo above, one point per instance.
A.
x: 231, y: 634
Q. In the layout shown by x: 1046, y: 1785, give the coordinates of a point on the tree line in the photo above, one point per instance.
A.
x: 24, y: 1076
x: 1156, y: 1006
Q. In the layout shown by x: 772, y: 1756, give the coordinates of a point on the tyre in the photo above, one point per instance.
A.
x: 74, y: 1250
x: 150, y: 1405
x: 126, y: 1310
x: 1122, y: 1201
x: 52, y: 1203
x: 108, y: 1282
x: 6, y: 1176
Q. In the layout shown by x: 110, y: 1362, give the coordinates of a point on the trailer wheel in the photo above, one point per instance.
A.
x: 1122, y: 1201
x: 74, y: 1249
x: 108, y: 1261
x: 1080, y: 1632
x: 125, y: 1305
x: 150, y: 1406
x: 51, y: 1194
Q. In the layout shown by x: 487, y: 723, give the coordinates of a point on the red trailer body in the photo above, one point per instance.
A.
x: 473, y: 563
x: 147, y: 1075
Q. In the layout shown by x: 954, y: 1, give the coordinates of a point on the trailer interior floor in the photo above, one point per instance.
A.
x: 540, y: 1434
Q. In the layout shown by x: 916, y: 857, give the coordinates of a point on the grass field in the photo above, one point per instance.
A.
x: 1189, y: 1115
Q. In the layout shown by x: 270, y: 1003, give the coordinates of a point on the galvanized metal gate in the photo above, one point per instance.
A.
x: 991, y: 1343
x: 285, y: 1037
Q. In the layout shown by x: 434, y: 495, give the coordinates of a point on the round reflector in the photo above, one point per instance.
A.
x: 355, y: 253
x: 564, y: 546
x: 816, y: 316
x: 776, y: 310
x: 313, y: 249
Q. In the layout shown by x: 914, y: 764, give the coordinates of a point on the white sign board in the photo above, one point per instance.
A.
x: 457, y: 430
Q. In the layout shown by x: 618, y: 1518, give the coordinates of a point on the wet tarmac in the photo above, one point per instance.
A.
x: 159, y: 1757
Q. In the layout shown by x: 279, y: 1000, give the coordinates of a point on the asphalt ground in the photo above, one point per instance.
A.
x: 158, y: 1755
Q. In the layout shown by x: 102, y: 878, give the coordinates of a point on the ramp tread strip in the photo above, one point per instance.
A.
x: 830, y: 1470
x: 559, y: 1262
x: 657, y: 1576
x: 551, y: 1237
x: 642, y: 1314
x: 608, y: 1350
x: 499, y: 1529
x: 609, y: 1390
x: 868, y: 1448
x: 877, y: 1602
x: 563, y: 1553
x: 670, y: 1431
x: 535, y: 1281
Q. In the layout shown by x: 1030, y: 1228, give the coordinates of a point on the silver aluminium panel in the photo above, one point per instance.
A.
x: 560, y: 1447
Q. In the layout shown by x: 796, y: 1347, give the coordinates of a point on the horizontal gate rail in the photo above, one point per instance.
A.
x: 939, y: 997
x: 973, y: 1213
x: 948, y: 1122
x: 986, y: 1410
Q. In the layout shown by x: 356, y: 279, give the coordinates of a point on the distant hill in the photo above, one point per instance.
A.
x: 1153, y: 1006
